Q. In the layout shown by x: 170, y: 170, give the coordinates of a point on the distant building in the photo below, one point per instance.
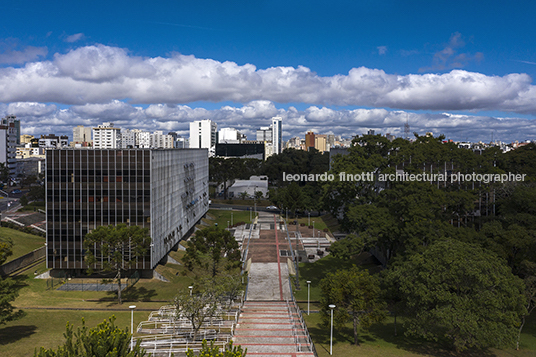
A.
x: 106, y: 136
x: 52, y: 141
x: 26, y: 139
x: 321, y: 143
x: 161, y: 140
x: 203, y: 135
x: 264, y: 133
x: 370, y: 132
x: 250, y: 150
x: 309, y: 140
x: 31, y: 166
x: 277, y: 134
x: 143, y: 139
x: 128, y: 139
x: 231, y: 136
x: 9, y: 137
x: 163, y: 190
x: 27, y: 152
x: 250, y: 187
x: 81, y: 136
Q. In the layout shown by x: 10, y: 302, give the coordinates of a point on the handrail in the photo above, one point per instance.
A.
x: 244, y: 258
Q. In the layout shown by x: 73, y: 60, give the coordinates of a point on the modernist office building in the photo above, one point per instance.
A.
x: 163, y: 190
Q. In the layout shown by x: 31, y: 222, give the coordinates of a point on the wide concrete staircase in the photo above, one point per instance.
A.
x: 272, y: 328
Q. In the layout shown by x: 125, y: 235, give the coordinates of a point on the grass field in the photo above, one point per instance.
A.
x: 22, y: 242
x: 45, y: 328
x: 48, y: 310
x: 222, y: 216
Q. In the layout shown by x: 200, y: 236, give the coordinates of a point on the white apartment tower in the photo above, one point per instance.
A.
x: 203, y: 134
x: 106, y: 136
x: 277, y: 135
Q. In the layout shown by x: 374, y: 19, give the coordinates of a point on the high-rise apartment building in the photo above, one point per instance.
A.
x: 321, y: 142
x: 128, y: 138
x: 203, y: 134
x: 277, y: 134
x: 309, y: 140
x: 106, y: 136
x: 161, y: 140
x: 264, y: 133
x: 9, y: 137
x: 81, y: 136
x: 163, y: 190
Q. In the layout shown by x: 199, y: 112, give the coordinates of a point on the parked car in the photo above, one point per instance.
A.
x: 16, y: 191
x: 272, y: 208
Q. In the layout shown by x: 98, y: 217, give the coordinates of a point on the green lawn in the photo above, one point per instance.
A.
x: 22, y: 242
x: 380, y: 341
x: 241, y: 202
x: 222, y: 216
x: 33, y: 206
x: 46, y: 327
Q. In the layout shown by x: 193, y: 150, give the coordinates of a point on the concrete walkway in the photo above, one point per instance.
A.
x: 269, y: 323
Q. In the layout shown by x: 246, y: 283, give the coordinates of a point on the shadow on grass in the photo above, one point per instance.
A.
x: 132, y: 294
x: 385, y: 332
x: 12, y: 334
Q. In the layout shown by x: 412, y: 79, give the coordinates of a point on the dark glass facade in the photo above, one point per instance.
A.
x: 91, y: 188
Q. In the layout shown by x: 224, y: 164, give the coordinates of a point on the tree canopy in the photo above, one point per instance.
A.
x: 120, y: 247
x: 356, y: 296
x: 207, y: 248
x: 461, y: 294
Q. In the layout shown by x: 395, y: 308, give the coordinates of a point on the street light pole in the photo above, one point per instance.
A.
x: 132, y: 307
x: 331, y: 336
x: 308, y: 294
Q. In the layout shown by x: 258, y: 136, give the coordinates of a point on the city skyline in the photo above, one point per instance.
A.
x: 452, y: 68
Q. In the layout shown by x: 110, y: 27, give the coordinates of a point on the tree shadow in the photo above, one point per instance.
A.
x: 385, y: 332
x: 131, y: 294
x: 12, y: 334
x: 138, y: 294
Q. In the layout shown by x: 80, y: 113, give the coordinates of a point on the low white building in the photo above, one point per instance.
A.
x: 251, y: 187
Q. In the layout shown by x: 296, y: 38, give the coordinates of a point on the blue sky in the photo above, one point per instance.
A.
x: 461, y: 68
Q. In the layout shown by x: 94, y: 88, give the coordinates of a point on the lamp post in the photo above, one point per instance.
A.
x: 308, y: 294
x: 331, y: 336
x: 132, y: 307
x: 191, y: 288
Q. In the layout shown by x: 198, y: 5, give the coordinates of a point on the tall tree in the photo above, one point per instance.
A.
x: 199, y: 306
x: 356, y: 296
x: 208, y: 247
x: 104, y: 340
x: 460, y: 294
x: 120, y: 247
x: 9, y: 289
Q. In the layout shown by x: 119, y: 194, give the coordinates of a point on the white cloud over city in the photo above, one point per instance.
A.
x: 49, y: 118
x: 93, y: 84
